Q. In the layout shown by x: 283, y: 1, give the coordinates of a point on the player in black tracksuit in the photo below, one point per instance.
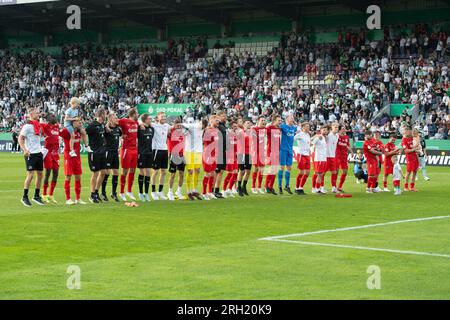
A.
x: 97, y: 158
x: 222, y: 153
x: 112, y: 137
x: 145, y: 155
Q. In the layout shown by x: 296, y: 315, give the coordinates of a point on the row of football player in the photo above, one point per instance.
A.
x: 148, y: 146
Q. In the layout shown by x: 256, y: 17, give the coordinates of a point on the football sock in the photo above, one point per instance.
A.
x: 342, y: 180
x: 375, y: 182
x: 211, y: 184
x: 52, y: 187
x: 160, y: 188
x: 141, y: 183
x: 267, y: 183
x: 130, y: 181
x: 303, y: 181
x: 314, y: 181
x: 195, y: 180
x: 272, y: 181
x: 67, y: 189
x: 45, y: 187
x: 77, y: 189
x: 254, y: 177
x: 413, y: 185
x: 287, y: 178
x: 260, y: 179
x: 123, y: 179
x: 146, y: 184
x: 114, y: 184
x: 25, y: 193
x: 104, y: 183
x: 233, y: 180
x: 36, y: 193
x: 280, y: 178
x: 298, y: 180
x: 205, y: 185
x: 189, y: 182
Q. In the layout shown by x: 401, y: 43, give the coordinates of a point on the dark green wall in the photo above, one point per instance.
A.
x: 186, y: 30
x: 392, y: 17
x: 132, y: 33
x: 74, y: 36
x: 261, y: 26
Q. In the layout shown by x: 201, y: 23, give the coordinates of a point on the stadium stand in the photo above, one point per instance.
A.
x: 333, y: 73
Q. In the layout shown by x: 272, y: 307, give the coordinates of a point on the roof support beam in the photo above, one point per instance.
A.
x: 147, y: 20
x: 291, y: 11
x: 185, y: 8
x: 359, y: 5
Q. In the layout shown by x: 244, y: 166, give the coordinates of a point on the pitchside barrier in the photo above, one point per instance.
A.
x: 438, y: 150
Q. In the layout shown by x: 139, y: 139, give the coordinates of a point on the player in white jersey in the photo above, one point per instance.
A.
x: 193, y: 154
x: 160, y: 155
x: 30, y: 143
x: 320, y: 159
x: 332, y: 165
x: 303, y: 139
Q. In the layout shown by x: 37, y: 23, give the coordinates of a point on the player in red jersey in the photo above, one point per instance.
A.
x: 232, y: 164
x: 371, y: 153
x: 388, y: 166
x: 273, y: 152
x: 175, y: 145
x: 50, y: 129
x: 258, y: 140
x: 72, y: 165
x: 412, y: 160
x: 209, y: 157
x: 379, y: 147
x: 128, y: 152
x: 244, y: 159
x: 342, y: 151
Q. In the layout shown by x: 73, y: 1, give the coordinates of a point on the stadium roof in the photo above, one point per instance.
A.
x: 45, y: 16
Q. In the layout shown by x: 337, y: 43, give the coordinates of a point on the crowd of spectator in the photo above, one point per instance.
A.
x: 361, y: 76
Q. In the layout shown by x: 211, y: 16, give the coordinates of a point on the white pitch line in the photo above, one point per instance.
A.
x: 352, y: 228
x: 282, y: 238
x: 417, y: 253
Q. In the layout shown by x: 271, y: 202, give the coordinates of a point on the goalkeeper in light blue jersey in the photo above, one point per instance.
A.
x: 288, y: 131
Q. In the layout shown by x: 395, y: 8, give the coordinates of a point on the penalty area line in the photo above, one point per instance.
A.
x: 417, y: 253
x: 283, y: 238
x: 352, y: 228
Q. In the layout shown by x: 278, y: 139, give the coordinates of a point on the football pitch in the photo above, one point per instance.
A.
x: 258, y: 247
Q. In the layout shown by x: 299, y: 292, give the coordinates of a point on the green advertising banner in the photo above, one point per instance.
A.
x: 169, y: 109
x: 397, y: 109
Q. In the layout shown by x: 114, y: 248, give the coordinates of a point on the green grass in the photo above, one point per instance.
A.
x: 210, y: 250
